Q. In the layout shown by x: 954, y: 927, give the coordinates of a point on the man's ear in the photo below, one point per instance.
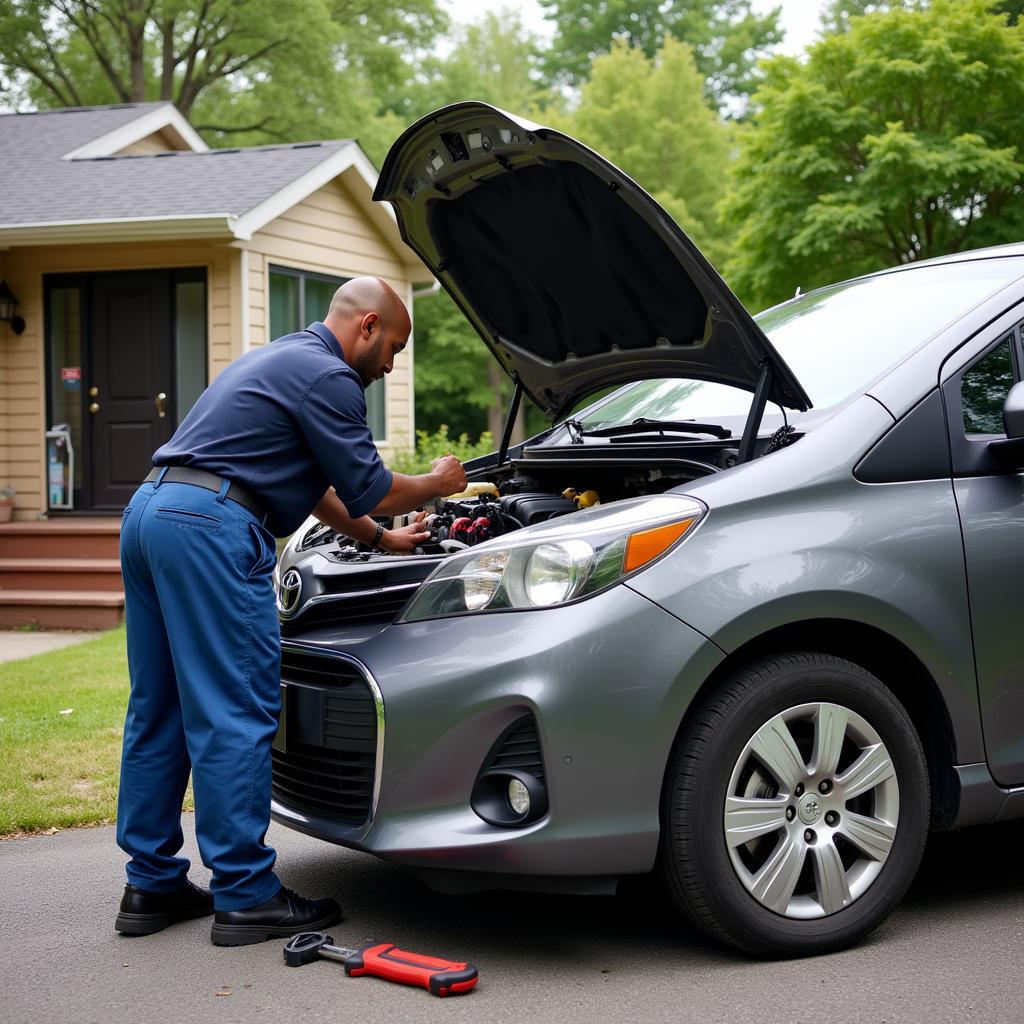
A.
x: 368, y: 323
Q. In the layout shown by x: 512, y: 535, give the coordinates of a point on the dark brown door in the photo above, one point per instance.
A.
x: 129, y: 391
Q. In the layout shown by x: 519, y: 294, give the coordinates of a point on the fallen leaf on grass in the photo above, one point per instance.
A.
x: 66, y: 711
x: 50, y: 831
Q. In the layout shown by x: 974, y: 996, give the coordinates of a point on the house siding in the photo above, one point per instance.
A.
x: 328, y: 233
x: 23, y: 358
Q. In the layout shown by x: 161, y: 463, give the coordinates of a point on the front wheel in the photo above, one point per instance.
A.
x: 795, y: 808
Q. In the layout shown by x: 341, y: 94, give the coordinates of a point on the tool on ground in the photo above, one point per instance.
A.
x: 382, y: 959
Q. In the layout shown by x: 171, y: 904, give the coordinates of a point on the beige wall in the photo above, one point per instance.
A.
x: 329, y: 233
x: 6, y: 339
x: 158, y: 142
x: 22, y: 358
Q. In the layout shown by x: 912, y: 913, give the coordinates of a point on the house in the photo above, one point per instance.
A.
x: 142, y: 263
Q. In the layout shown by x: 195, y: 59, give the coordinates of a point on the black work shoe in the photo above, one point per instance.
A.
x: 286, y: 914
x: 143, y: 913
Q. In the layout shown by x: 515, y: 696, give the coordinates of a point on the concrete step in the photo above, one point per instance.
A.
x: 60, y: 574
x: 62, y: 538
x: 62, y: 609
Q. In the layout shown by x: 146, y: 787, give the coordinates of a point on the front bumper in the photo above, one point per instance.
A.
x: 608, y: 681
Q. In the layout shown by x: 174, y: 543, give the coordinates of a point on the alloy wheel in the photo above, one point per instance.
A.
x: 811, y: 810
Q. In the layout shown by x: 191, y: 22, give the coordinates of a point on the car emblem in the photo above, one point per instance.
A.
x: 809, y: 809
x: 288, y: 592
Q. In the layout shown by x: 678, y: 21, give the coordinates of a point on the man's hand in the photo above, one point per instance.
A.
x: 405, y: 538
x: 447, y: 471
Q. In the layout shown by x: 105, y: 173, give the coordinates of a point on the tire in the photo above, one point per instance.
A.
x: 848, y: 836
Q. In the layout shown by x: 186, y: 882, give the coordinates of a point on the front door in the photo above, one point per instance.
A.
x: 131, y: 379
x: 126, y: 356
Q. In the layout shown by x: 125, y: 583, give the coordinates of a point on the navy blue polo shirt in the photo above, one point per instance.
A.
x: 286, y: 421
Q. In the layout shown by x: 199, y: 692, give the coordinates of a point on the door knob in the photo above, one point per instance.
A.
x: 94, y: 407
x: 161, y: 409
x: 93, y: 392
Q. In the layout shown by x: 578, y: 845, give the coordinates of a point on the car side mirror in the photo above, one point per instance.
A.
x: 1013, y: 411
x: 1009, y: 453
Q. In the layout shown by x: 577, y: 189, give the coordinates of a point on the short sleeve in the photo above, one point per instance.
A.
x: 332, y: 416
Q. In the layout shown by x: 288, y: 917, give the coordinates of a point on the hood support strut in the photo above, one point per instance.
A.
x: 750, y: 428
x: 513, y: 412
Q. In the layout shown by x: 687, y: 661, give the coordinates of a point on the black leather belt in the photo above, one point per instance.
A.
x: 210, y: 482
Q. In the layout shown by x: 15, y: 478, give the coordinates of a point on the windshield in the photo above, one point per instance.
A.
x: 836, y: 341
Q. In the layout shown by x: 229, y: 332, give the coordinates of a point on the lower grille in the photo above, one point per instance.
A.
x: 328, y: 766
x: 519, y: 747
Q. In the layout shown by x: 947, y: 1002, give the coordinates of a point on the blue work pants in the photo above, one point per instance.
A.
x: 204, y: 655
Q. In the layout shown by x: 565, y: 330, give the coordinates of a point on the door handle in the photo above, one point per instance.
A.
x: 161, y: 409
x: 94, y: 407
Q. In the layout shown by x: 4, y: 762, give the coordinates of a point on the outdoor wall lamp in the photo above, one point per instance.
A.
x: 7, y: 305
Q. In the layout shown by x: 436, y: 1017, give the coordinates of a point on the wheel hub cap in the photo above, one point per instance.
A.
x: 810, y: 809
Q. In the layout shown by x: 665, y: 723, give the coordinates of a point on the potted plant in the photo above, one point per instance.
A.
x: 6, y: 503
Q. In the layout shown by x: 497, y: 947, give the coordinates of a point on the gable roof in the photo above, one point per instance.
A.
x: 54, y: 194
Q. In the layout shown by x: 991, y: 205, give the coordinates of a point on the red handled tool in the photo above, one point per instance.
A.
x: 441, y: 977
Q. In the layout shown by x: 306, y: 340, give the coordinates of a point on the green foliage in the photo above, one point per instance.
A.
x: 254, y: 70
x: 495, y: 59
x: 433, y: 446
x: 726, y: 35
x: 896, y: 140
x: 648, y: 116
x: 451, y: 367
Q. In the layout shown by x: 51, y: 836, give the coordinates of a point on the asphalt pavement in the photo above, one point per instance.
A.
x: 954, y: 951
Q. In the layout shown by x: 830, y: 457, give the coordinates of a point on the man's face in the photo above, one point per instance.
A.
x: 379, y: 343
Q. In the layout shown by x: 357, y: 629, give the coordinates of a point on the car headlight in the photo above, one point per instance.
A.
x: 556, y: 562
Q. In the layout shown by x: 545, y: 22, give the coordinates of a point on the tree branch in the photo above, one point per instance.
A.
x: 258, y: 126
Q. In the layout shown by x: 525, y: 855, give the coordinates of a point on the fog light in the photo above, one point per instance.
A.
x: 518, y: 798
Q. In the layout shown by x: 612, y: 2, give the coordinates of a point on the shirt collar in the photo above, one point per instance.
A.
x: 325, y: 334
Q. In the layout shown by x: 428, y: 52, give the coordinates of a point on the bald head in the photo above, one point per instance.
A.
x: 362, y: 295
x: 371, y: 323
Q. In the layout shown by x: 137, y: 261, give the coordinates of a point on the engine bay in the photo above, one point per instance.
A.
x: 543, y: 484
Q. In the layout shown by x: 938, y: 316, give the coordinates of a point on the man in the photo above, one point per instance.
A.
x: 281, y: 432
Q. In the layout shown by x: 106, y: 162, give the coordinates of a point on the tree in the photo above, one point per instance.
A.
x: 726, y: 35
x: 251, y: 63
x: 836, y: 14
x: 648, y: 116
x: 896, y: 140
x: 495, y: 59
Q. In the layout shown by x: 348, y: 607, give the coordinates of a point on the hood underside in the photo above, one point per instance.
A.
x: 574, y: 277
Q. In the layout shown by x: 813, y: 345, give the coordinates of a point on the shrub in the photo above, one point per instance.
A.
x: 433, y: 446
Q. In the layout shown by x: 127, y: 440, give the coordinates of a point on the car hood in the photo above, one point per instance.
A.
x: 574, y: 277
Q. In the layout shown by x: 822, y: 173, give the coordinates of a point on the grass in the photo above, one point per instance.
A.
x: 62, y: 769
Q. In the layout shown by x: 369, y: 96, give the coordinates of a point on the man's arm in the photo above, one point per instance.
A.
x: 408, y: 492
x: 331, y: 510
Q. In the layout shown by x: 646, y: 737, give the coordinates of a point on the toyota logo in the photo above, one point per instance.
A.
x: 288, y: 592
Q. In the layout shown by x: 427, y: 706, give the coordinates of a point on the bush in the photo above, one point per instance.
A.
x: 433, y: 446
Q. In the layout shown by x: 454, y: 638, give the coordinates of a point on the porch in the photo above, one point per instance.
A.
x: 64, y: 573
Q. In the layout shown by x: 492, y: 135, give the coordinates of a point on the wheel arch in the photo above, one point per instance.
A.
x: 881, y: 654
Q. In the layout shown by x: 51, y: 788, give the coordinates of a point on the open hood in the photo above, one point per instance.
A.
x: 575, y: 278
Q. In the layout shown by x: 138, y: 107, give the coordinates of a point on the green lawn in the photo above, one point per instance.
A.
x: 62, y: 769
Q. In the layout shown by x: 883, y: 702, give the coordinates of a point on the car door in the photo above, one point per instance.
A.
x: 990, y: 501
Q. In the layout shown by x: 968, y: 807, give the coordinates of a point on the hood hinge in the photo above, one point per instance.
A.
x: 513, y: 412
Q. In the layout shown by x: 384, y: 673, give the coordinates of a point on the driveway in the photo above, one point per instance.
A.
x: 952, y: 952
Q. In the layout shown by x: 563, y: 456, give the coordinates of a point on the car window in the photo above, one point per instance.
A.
x: 837, y: 340
x: 983, y: 390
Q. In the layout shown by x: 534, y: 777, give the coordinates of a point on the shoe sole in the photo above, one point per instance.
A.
x: 149, y: 924
x: 250, y: 934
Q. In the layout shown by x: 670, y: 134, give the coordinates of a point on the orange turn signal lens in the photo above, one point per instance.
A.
x: 645, y: 546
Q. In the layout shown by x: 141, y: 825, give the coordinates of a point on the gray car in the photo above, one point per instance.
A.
x: 747, y: 620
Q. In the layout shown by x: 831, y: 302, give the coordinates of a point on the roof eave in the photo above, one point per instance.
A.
x: 219, y: 227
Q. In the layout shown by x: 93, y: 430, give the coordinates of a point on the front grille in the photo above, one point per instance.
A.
x: 329, y: 764
x: 519, y: 748
x: 363, y: 606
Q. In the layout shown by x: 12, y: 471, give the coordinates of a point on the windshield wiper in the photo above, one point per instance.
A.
x: 644, y: 425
